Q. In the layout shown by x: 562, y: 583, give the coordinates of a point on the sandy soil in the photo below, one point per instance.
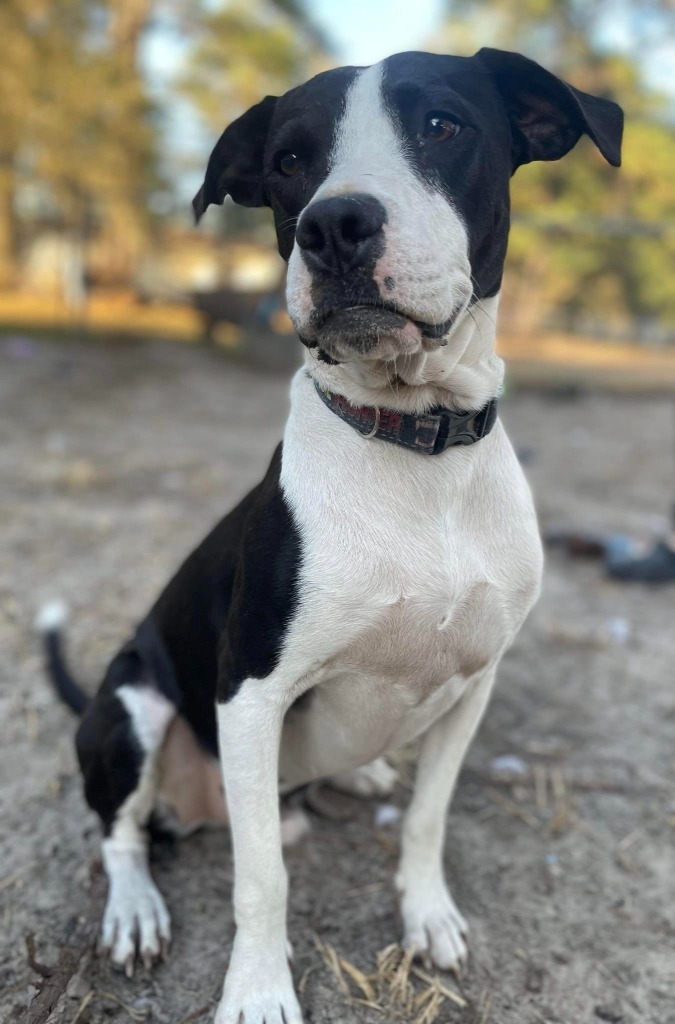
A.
x: 114, y: 461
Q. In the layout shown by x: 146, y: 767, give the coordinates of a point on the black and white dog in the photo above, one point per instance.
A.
x: 363, y: 594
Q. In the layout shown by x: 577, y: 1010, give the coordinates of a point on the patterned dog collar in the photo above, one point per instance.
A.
x: 428, y: 433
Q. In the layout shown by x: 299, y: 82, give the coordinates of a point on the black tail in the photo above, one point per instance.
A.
x: 49, y: 625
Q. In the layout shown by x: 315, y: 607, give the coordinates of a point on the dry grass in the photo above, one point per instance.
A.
x: 539, y: 799
x: 398, y: 988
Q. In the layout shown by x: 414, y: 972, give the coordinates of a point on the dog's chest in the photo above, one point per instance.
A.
x: 415, y: 575
x: 405, y: 577
x: 412, y: 633
x: 420, y: 633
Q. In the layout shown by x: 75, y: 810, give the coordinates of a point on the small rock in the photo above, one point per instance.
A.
x: 508, y: 764
x: 619, y: 630
x: 534, y: 978
x: 386, y: 814
x: 609, y: 1013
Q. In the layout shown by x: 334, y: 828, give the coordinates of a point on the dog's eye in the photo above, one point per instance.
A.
x: 287, y: 163
x: 439, y: 127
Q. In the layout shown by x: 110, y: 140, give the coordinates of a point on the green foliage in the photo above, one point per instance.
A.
x: 240, y: 56
x: 243, y: 51
x: 79, y: 140
x: 80, y: 136
x: 585, y: 237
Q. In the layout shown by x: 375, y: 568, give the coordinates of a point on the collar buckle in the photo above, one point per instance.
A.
x: 376, y: 425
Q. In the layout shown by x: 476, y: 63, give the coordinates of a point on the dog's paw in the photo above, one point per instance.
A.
x: 370, y: 780
x: 433, y: 925
x: 258, y: 989
x: 136, y: 922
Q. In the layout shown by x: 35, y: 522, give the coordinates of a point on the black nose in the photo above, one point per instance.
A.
x: 342, y: 232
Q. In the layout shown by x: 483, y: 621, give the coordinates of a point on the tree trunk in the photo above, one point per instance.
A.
x: 8, y: 232
x: 128, y: 18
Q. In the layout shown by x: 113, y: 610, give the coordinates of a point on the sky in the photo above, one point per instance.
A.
x: 365, y: 31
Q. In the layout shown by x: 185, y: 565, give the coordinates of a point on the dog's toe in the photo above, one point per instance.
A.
x: 135, y: 922
x: 447, y: 948
x: 434, y: 927
x: 258, y: 990
x: 123, y: 950
x: 438, y: 942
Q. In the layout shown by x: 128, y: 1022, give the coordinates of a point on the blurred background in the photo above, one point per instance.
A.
x: 110, y: 109
x: 144, y: 371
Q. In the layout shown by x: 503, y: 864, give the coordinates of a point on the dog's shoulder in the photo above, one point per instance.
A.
x: 207, y: 577
x: 265, y: 565
x: 235, y: 591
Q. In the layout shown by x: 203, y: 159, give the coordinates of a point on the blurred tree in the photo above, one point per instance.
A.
x: 78, y: 139
x: 80, y: 136
x: 245, y: 49
x: 126, y: 22
x: 591, y: 247
x: 16, y: 106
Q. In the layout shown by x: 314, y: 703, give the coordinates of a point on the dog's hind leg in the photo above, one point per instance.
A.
x: 119, y: 743
x: 431, y: 921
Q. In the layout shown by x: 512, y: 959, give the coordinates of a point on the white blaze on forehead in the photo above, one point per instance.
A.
x: 365, y: 141
x: 425, y: 265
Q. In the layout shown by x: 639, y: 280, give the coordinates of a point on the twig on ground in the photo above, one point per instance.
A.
x: 136, y: 1015
x: 332, y: 961
x: 514, y: 809
x: 79, y: 941
x: 540, y: 787
x: 55, y: 979
x: 83, y: 1006
x: 196, y: 1014
x: 454, y: 997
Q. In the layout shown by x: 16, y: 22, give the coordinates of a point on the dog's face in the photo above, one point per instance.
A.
x: 390, y: 188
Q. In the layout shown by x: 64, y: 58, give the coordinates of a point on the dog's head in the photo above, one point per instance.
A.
x: 390, y: 188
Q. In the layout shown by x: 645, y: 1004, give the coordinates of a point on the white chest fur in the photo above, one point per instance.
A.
x: 416, y: 574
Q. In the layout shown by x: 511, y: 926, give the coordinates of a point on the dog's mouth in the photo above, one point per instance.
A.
x: 375, y: 330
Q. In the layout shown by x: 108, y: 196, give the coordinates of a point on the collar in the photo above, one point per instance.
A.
x: 428, y: 433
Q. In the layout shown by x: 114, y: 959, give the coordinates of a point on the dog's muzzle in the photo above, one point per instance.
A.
x: 341, y: 234
x: 340, y: 240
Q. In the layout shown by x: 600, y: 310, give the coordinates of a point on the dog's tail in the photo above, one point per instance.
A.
x: 49, y: 624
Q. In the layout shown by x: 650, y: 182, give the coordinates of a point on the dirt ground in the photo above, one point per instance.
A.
x: 114, y: 461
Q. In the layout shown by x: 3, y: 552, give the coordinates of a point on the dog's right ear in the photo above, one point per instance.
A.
x: 235, y: 167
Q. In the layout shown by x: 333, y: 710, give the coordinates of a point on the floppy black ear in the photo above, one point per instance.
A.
x: 548, y: 116
x: 235, y: 167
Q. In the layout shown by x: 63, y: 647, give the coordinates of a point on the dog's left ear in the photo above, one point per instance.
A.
x: 547, y: 115
x: 235, y: 167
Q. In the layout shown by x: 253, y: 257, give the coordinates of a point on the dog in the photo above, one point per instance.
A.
x: 362, y: 595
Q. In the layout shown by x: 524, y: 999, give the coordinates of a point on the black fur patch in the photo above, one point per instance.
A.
x: 304, y: 122
x: 265, y: 594
x: 108, y: 750
x: 473, y: 169
x: 221, y: 619
x: 235, y: 594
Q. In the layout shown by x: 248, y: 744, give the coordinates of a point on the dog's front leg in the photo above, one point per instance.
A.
x: 258, y: 986
x: 431, y: 921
